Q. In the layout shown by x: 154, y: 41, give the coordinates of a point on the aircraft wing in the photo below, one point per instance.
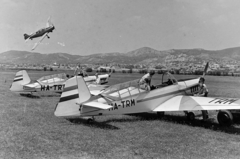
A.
x: 188, y: 103
x: 36, y: 44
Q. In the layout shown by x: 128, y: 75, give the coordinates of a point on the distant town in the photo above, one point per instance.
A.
x: 176, y: 64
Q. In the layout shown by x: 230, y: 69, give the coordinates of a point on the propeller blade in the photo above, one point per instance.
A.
x: 205, y: 69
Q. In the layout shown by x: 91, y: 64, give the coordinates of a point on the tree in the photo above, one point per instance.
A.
x: 45, y: 68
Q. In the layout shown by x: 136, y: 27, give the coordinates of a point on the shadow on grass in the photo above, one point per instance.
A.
x: 209, y: 124
x: 139, y: 117
x: 95, y: 124
x: 29, y: 95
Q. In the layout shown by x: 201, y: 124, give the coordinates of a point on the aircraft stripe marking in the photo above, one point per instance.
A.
x: 67, y: 98
x: 70, y: 88
x: 17, y: 79
x: 18, y: 76
x: 162, y: 95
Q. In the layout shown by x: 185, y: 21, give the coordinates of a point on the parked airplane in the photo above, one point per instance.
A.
x: 40, y: 33
x: 53, y: 83
x: 129, y: 98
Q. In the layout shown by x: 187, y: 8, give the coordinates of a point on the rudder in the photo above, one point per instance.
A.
x: 26, y: 36
x: 21, y: 79
x: 74, y: 94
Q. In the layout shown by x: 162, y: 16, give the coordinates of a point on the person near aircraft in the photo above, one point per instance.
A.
x: 145, y: 81
x: 203, y: 92
x: 169, y: 82
x: 80, y: 71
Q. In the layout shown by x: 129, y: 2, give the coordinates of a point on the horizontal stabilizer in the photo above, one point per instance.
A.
x: 191, y: 103
x: 97, y: 105
x: 26, y: 37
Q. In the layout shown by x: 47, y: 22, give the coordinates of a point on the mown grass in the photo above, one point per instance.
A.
x: 28, y: 128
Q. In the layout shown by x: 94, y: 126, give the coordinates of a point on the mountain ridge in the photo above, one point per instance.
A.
x: 144, y: 55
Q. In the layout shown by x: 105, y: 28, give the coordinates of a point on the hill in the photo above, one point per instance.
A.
x: 144, y: 55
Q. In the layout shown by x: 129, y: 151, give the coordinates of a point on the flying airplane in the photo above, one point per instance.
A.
x: 129, y: 98
x: 40, y: 33
x: 54, y: 83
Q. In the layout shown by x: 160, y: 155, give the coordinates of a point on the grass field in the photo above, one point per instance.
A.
x: 29, y: 129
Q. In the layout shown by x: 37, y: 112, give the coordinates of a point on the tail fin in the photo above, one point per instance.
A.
x: 26, y: 36
x: 21, y: 79
x: 74, y: 94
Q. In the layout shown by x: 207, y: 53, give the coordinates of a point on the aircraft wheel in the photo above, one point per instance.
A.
x: 90, y: 120
x: 160, y: 114
x: 225, y: 118
x: 190, y: 116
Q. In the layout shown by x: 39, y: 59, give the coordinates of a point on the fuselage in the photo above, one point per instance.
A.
x: 135, y: 100
x: 41, y: 32
x: 57, y: 85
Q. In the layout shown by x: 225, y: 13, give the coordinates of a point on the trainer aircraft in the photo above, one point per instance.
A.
x: 40, y: 33
x: 129, y: 98
x: 54, y: 83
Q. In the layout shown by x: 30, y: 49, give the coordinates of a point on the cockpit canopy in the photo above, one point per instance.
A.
x: 51, y: 79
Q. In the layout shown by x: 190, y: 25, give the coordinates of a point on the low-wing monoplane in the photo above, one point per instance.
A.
x: 40, y: 33
x: 54, y: 83
x: 129, y: 98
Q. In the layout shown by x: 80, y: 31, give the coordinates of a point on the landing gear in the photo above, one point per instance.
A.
x: 48, y: 36
x: 190, y: 116
x: 225, y: 118
x: 90, y: 119
x: 160, y: 114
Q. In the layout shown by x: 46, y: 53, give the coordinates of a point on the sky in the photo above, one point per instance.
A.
x: 86, y: 27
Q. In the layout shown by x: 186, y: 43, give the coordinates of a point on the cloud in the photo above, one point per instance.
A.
x: 5, y: 26
x: 61, y: 43
x: 8, y: 3
x: 220, y: 19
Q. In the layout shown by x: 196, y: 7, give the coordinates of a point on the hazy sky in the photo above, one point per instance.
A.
x: 100, y: 26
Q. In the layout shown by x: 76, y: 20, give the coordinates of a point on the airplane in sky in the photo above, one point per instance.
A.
x: 54, y: 83
x: 129, y: 98
x: 40, y: 33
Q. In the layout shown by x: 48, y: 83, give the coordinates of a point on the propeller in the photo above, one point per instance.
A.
x: 205, y: 69
x: 49, y: 23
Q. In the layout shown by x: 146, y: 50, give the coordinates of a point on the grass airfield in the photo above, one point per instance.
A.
x: 29, y: 129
